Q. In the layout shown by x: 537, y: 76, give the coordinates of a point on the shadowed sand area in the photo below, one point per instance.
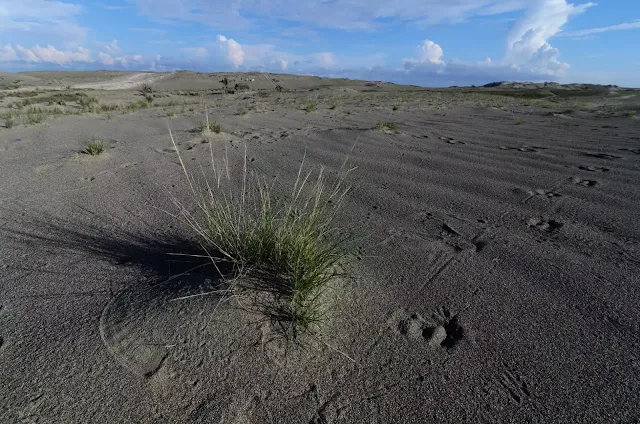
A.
x: 498, y: 279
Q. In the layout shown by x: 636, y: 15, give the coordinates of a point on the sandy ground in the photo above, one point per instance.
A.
x: 511, y: 223
x: 123, y: 83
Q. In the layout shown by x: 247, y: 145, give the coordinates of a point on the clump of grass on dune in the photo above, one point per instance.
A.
x: 33, y: 119
x: 293, y: 248
x: 386, y: 126
x: 208, y: 127
x: 94, y: 148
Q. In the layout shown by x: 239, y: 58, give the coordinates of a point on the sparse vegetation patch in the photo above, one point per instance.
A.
x: 386, y: 126
x: 287, y: 250
x: 94, y: 147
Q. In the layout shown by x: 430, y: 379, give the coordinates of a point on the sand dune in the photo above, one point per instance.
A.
x: 498, y: 280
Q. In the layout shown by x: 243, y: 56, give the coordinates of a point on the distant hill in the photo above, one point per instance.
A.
x: 549, y: 85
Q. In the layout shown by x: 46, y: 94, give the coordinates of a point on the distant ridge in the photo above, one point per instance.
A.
x: 535, y: 85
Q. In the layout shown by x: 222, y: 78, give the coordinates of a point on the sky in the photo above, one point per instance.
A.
x: 422, y: 42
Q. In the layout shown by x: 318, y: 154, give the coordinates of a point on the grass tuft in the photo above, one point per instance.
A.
x: 519, y: 122
x: 34, y: 118
x: 291, y: 249
x: 207, y: 128
x: 94, y: 147
x: 386, y: 126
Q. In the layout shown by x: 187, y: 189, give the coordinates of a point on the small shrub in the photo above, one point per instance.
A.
x: 630, y: 113
x: 148, y: 98
x: 94, y: 147
x: 519, y: 122
x: 289, y: 250
x: 396, y: 107
x: 241, y: 112
x: 208, y: 127
x: 34, y: 119
x: 109, y: 107
x: 8, y: 123
x: 310, y: 106
x: 146, y: 89
x: 88, y: 102
x: 386, y: 126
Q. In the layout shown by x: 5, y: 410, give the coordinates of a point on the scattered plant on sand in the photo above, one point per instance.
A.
x: 386, y: 126
x: 88, y: 103
x: 286, y: 251
x: 94, y: 147
x: 34, y: 118
x: 333, y: 102
x: 208, y: 127
x: 310, y: 106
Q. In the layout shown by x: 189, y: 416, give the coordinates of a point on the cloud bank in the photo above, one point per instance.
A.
x: 528, y: 53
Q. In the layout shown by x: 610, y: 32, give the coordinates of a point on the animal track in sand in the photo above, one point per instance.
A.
x: 594, y: 168
x: 584, y: 182
x: 601, y: 155
x: 548, y: 193
x: 635, y: 151
x: 443, y: 329
x: 523, y: 148
x: 166, y: 150
x: 451, y: 140
x: 514, y: 386
x: 548, y: 225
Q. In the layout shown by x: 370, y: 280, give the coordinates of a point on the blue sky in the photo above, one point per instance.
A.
x: 426, y: 42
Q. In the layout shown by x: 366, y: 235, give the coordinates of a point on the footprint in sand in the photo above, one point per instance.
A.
x: 584, y: 182
x: 548, y: 193
x: 141, y: 326
x: 548, y: 225
x: 451, y: 140
x: 523, y: 148
x: 443, y: 329
x: 594, y: 168
x: 601, y: 155
x: 514, y: 386
x: 166, y: 150
x: 634, y: 151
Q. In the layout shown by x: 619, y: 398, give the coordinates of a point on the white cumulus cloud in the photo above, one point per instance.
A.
x: 7, y: 53
x: 233, y: 50
x: 527, y: 43
x: 430, y: 52
x: 50, y: 54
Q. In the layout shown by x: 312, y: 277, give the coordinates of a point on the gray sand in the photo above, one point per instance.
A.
x: 499, y: 280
